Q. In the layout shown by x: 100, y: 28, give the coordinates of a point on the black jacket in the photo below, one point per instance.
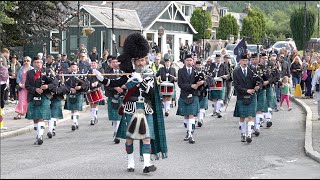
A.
x: 163, y: 71
x: 243, y: 83
x: 185, y: 81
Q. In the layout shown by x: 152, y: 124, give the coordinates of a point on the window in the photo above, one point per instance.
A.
x: 86, y: 19
x: 187, y: 11
x: 74, y: 41
x: 54, y: 42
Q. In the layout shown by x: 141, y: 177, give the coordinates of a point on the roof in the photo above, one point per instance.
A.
x: 124, y: 18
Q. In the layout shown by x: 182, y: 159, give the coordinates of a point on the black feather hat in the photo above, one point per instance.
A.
x: 135, y: 47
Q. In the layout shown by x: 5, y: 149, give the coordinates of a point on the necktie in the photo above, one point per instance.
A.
x: 37, y: 75
x: 189, y: 71
x: 245, y: 72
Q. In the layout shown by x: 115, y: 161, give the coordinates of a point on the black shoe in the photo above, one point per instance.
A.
x: 148, y: 169
x: 166, y: 114
x: 49, y: 134
x: 248, y: 139
x: 269, y: 124
x: 199, y: 123
x: 243, y: 138
x: 256, y: 132
x: 73, y: 127
x: 130, y: 169
x: 92, y: 122
x: 186, y: 138
x: 40, y: 140
x: 219, y: 115
x: 191, y: 140
x: 77, y: 126
x: 116, y: 140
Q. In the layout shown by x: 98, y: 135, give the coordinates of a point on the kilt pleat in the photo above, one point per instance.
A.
x: 125, y: 121
x: 242, y: 110
x: 216, y: 94
x: 271, y: 98
x: 112, y: 112
x: 188, y: 109
x: 56, y: 108
x: 74, y: 106
x: 261, y: 101
x: 204, y: 103
x: 39, y: 112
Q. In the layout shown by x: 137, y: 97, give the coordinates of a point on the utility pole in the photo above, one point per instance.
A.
x: 112, y: 9
x: 78, y: 38
x: 305, y: 28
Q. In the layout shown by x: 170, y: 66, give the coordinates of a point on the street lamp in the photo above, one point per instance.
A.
x: 204, y: 8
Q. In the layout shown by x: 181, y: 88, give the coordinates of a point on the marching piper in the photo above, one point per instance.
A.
x: 38, y: 83
x: 203, y: 92
x: 245, y: 85
x: 141, y: 107
x: 74, y: 99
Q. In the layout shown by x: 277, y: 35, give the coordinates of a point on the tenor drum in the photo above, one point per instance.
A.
x: 95, y: 96
x: 166, y: 88
x: 218, y: 84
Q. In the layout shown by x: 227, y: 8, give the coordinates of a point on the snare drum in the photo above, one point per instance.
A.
x: 166, y: 88
x: 218, y: 85
x: 95, y: 96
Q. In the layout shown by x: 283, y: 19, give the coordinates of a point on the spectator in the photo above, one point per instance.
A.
x: 219, y: 46
x: 296, y: 70
x: 195, y: 48
x: 64, y: 64
x: 156, y: 47
x: 22, y: 106
x: 13, y: 71
x: 4, y: 81
x: 94, y: 55
x: 5, y: 54
x: 152, y: 55
x: 285, y: 92
x: 168, y: 55
x: 207, y: 49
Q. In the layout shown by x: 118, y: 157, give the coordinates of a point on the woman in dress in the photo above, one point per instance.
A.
x: 22, y: 105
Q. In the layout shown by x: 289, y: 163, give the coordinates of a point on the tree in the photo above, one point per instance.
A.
x: 202, y: 22
x: 254, y: 27
x: 33, y: 21
x: 227, y: 25
x: 297, y: 26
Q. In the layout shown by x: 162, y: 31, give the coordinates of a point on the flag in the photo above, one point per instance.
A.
x: 240, y: 48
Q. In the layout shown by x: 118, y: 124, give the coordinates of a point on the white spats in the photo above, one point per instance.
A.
x: 94, y: 112
x: 130, y: 158
x: 250, y: 125
x: 40, y: 128
x: 51, y: 124
x: 243, y: 127
x: 167, y: 106
x: 257, y: 120
x: 146, y: 160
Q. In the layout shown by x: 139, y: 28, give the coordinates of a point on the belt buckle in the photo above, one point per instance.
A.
x: 140, y: 99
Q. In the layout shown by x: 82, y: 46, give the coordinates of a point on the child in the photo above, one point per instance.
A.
x: 285, y: 92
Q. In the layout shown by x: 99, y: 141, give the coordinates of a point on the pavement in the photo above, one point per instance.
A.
x: 312, y: 132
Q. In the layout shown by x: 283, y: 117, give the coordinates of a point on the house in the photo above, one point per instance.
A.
x: 161, y: 22
x: 98, y: 18
x: 239, y: 17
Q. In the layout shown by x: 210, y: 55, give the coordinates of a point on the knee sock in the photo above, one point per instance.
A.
x: 146, y: 152
x: 51, y: 124
x: 243, y: 127
x: 54, y: 124
x: 167, y: 106
x: 257, y: 120
x: 218, y: 106
x: 35, y: 126
x: 75, y: 118
x: 115, y: 125
x: 94, y: 112
x: 40, y: 128
x: 191, y: 126
x: 250, y: 125
x: 130, y: 155
x: 201, y: 114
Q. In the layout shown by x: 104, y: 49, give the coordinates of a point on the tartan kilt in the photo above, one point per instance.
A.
x: 261, y: 101
x: 191, y: 109
x: 112, y: 112
x: 56, y: 108
x: 75, y: 106
x: 204, y: 103
x: 123, y: 127
x: 39, y: 112
x: 216, y: 94
x: 244, y: 111
x: 271, y: 98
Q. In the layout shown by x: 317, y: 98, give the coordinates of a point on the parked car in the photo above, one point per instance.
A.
x: 280, y: 44
x: 252, y: 48
x: 230, y: 47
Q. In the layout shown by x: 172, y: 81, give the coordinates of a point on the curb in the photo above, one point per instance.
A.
x: 29, y: 128
x: 315, y: 155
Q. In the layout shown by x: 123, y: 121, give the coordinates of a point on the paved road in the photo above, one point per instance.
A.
x: 218, y: 153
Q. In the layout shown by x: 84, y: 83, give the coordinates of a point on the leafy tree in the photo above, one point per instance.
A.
x: 6, y: 6
x: 297, y: 26
x: 254, y: 27
x: 33, y: 20
x: 227, y: 25
x: 202, y: 22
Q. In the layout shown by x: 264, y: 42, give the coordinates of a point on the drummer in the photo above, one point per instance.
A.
x: 219, y: 72
x: 94, y: 93
x: 167, y: 74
